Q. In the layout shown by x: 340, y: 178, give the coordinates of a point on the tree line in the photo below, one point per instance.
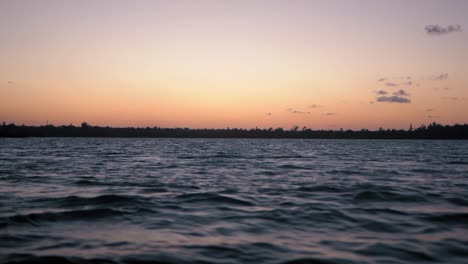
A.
x: 431, y: 131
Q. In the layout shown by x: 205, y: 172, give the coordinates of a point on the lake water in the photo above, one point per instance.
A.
x: 71, y: 200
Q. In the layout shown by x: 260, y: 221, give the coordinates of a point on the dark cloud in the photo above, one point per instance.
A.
x: 391, y: 84
x: 315, y: 106
x: 438, y: 30
x: 393, y: 99
x: 408, y: 83
x: 401, y: 93
x: 440, y: 77
x: 11, y: 83
x: 268, y: 114
x: 381, y: 92
x: 381, y: 80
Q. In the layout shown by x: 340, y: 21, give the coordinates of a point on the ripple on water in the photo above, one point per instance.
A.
x: 232, y: 201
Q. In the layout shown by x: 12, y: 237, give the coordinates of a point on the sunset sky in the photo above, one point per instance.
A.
x: 215, y: 64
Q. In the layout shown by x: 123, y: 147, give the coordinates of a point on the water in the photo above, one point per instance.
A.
x: 233, y: 201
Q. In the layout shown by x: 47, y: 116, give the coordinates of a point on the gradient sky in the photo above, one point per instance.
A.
x: 321, y: 64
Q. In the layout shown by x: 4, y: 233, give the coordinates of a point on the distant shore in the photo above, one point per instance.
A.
x: 432, y: 131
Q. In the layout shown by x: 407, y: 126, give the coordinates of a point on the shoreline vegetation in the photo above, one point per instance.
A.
x: 431, y: 131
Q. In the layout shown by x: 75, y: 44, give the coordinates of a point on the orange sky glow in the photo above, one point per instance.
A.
x: 246, y: 64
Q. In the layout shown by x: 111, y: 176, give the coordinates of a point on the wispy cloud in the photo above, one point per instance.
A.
x: 300, y: 112
x: 432, y: 117
x: 441, y: 89
x: 401, y: 93
x: 450, y: 98
x: 381, y: 92
x: 391, y: 84
x: 315, y: 106
x: 381, y: 80
x: 11, y: 83
x: 439, y: 30
x: 440, y: 77
x: 268, y: 114
x: 297, y: 112
x: 393, y: 99
x: 329, y: 114
x: 429, y: 109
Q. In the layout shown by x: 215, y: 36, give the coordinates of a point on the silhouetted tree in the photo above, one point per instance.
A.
x: 432, y: 131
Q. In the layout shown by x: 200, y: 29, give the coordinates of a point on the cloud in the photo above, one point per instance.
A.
x: 315, y: 106
x: 393, y: 99
x: 330, y: 114
x: 401, y: 93
x: 429, y: 109
x: 397, y: 81
x: 450, y: 98
x: 445, y: 88
x: 300, y: 112
x: 11, y: 83
x: 391, y: 84
x: 431, y: 116
x: 438, y: 30
x: 440, y: 77
x: 371, y: 102
x: 297, y: 112
x: 268, y: 114
x: 381, y: 92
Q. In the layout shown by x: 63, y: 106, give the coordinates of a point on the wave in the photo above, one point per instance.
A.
x: 89, y: 182
x: 386, y: 196
x: 319, y: 188
x: 316, y: 261
x: 272, y: 202
x: 37, y: 219
x: 448, y: 218
x: 111, y: 199
x: 28, y: 258
x: 214, y: 198
x: 457, y: 162
x: 293, y: 167
x: 396, y: 251
x: 102, y: 200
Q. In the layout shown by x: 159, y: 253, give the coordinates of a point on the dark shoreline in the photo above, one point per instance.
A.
x: 432, y: 131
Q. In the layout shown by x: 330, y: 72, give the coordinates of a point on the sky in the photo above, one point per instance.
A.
x: 215, y: 64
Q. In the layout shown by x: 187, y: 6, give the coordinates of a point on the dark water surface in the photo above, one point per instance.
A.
x: 233, y: 201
